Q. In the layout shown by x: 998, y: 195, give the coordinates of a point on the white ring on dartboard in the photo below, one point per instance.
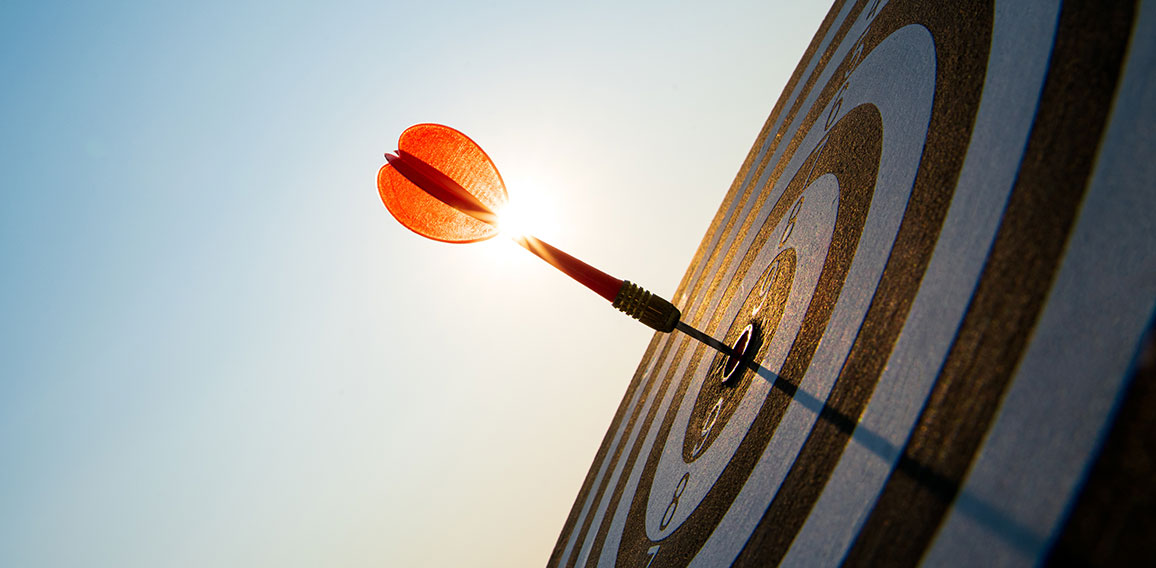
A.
x: 816, y: 213
x: 1012, y: 84
x: 1083, y: 346
x: 822, y: 519
x: 897, y: 77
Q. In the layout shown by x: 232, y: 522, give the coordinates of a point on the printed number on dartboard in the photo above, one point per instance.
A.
x: 668, y: 515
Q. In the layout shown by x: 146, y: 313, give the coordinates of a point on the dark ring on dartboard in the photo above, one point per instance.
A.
x: 721, y: 391
x: 1029, y: 247
x: 1026, y: 253
x: 961, y: 59
x: 858, y: 135
x: 1090, y: 44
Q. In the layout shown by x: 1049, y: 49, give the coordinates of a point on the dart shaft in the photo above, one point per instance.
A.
x: 600, y: 282
x: 650, y: 309
x: 687, y: 329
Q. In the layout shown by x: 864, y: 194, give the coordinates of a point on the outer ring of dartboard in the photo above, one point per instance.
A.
x: 684, y: 543
x: 856, y: 184
x: 585, y: 535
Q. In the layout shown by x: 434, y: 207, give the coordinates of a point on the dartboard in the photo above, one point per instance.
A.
x: 939, y: 259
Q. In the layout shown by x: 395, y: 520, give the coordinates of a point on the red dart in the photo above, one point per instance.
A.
x: 443, y: 186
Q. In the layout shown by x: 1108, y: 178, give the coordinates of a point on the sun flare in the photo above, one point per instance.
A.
x: 521, y: 217
x: 513, y: 220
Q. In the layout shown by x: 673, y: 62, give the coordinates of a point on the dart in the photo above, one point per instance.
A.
x: 440, y: 184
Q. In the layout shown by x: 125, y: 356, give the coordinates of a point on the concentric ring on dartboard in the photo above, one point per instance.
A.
x: 728, y: 377
x: 861, y: 129
x: 963, y: 65
x: 840, y: 93
x: 586, y: 527
x: 960, y: 60
x: 854, y: 145
x: 721, y: 413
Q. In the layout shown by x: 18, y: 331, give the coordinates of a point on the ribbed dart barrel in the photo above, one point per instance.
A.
x: 652, y: 310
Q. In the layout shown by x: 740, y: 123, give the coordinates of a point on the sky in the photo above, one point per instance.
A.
x: 217, y: 348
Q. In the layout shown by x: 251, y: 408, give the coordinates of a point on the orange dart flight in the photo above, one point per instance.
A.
x: 424, y: 185
x: 442, y: 185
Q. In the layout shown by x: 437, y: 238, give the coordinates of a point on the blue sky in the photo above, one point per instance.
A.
x: 218, y: 348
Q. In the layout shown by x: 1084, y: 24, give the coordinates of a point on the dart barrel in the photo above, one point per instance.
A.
x: 653, y: 311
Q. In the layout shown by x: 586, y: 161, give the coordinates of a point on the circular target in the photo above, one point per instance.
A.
x: 898, y: 264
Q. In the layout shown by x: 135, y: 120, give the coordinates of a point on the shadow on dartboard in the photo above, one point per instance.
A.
x: 727, y: 374
x: 938, y: 261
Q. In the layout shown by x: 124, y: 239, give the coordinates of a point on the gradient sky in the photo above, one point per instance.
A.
x: 217, y: 348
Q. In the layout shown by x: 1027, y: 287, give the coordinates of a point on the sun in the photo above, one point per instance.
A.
x: 523, y: 216
x: 514, y: 220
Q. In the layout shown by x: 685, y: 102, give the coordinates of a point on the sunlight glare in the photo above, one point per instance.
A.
x: 514, y: 220
x: 526, y: 217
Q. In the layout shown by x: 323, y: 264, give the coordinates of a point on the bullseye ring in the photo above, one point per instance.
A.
x: 740, y: 353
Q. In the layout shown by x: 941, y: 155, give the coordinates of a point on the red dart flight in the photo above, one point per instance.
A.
x: 442, y: 185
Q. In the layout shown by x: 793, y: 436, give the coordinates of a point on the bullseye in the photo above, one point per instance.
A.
x: 740, y: 353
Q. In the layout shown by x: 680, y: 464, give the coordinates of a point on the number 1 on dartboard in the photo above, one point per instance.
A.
x: 652, y: 553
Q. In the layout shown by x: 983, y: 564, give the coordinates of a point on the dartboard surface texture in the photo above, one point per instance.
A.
x: 941, y: 256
